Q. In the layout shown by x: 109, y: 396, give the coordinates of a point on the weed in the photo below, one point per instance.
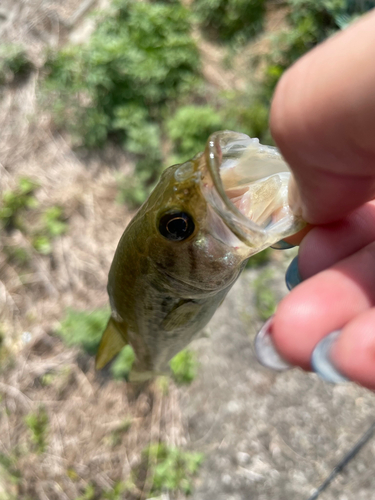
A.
x: 123, y: 363
x: 310, y: 22
x: 17, y: 255
x: 140, y: 57
x: 13, y: 206
x: 51, y: 225
x: 248, y: 111
x: 88, y: 493
x: 10, y: 476
x: 83, y: 328
x: 37, y: 422
x: 48, y: 379
x: 42, y: 244
x: 265, y: 300
x: 53, y: 221
x: 14, y: 63
x: 72, y: 474
x: 190, y: 127
x: 13, y: 202
x: 172, y: 469
x: 133, y: 191
x: 163, y: 384
x: 259, y: 259
x: 230, y: 20
x: 184, y: 367
x: 116, y: 492
x: 9, y: 463
x: 117, y: 86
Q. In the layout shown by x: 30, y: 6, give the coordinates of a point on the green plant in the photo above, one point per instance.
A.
x: 230, y: 20
x: 13, y: 202
x: 53, y: 221
x: 140, y: 57
x: 115, y: 493
x: 259, y: 259
x: 88, y: 493
x: 310, y: 22
x: 10, y: 476
x: 190, y: 127
x: 83, y: 328
x: 265, y: 300
x: 184, y: 367
x: 42, y: 244
x: 14, y: 62
x: 52, y: 224
x: 117, y: 86
x: 48, y: 379
x: 37, y: 422
x: 248, y: 111
x: 17, y: 255
x: 123, y: 363
x: 133, y: 190
x: 172, y: 469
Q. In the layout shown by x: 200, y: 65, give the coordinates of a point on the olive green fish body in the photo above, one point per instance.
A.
x: 163, y: 292
x: 189, y: 242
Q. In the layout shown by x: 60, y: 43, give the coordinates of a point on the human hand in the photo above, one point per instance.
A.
x: 323, y: 121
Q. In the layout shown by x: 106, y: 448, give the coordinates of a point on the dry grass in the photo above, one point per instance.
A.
x: 96, y: 427
x: 86, y: 440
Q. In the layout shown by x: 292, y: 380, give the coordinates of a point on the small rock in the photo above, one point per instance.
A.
x: 243, y: 458
x: 226, y: 479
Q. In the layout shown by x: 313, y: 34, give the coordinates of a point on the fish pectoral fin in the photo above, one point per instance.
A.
x: 113, y: 340
x: 184, y: 311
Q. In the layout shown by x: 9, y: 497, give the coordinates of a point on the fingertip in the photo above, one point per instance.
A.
x: 291, y: 329
x: 318, y: 306
x: 354, y: 351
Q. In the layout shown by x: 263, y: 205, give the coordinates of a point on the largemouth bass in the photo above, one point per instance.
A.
x: 187, y: 245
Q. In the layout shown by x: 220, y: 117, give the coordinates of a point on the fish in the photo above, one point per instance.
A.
x: 188, y: 244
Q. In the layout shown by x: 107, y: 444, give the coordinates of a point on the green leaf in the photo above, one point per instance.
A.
x: 184, y: 367
x: 123, y: 363
x: 84, y: 328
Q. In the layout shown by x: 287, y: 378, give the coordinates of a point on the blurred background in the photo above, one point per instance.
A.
x: 96, y: 98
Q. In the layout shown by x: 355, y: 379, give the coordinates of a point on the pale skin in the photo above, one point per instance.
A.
x: 323, y: 121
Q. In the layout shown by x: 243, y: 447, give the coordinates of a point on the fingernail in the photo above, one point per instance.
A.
x: 282, y: 245
x: 265, y: 350
x: 321, y: 362
x: 292, y: 275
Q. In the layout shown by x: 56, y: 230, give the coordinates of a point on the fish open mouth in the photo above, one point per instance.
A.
x: 246, y: 184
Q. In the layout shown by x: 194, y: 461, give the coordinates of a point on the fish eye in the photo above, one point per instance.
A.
x: 176, y: 226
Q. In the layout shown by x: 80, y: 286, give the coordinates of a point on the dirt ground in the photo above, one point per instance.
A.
x: 270, y: 435
x: 264, y: 435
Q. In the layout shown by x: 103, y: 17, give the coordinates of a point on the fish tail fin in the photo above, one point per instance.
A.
x: 113, y: 340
